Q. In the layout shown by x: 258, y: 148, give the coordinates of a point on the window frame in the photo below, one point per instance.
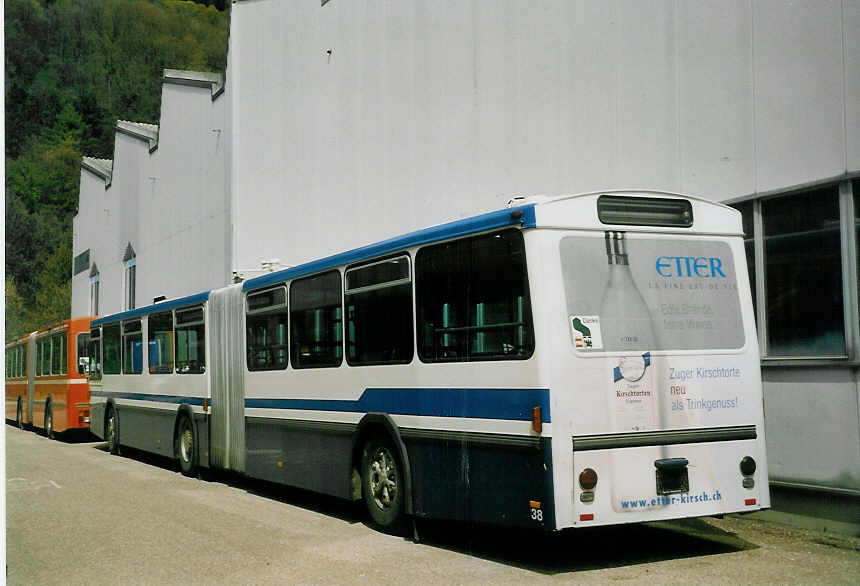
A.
x: 127, y: 334
x: 358, y: 291
x: 273, y: 309
x: 201, y: 367
x: 850, y: 266
x: 528, y: 317
x: 150, y: 340
x: 297, y: 364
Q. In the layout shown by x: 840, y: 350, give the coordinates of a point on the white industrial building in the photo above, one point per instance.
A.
x: 344, y: 122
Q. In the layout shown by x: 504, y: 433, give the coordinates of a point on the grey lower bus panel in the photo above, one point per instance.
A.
x: 152, y: 430
x: 489, y: 478
x: 305, y: 454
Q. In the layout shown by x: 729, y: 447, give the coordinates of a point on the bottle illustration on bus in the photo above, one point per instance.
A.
x: 626, y: 327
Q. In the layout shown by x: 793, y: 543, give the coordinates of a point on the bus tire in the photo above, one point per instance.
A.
x: 382, y: 484
x: 112, y: 431
x: 185, y: 446
x: 49, y: 422
x: 19, y: 415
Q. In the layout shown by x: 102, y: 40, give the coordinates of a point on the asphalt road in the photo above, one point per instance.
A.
x: 77, y: 515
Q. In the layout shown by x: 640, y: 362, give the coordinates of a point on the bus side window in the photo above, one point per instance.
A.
x: 378, y: 299
x: 160, y: 343
x: 112, y: 361
x: 472, y: 299
x: 132, y: 347
x: 316, y: 321
x: 266, y: 330
x: 82, y: 358
x: 59, y: 358
x: 95, y: 352
x: 190, y: 341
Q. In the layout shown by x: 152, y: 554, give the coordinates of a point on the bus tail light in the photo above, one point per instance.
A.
x: 748, y: 466
x: 748, y: 469
x: 588, y: 479
x: 537, y: 420
x: 749, y: 502
x: 84, y: 417
x: 586, y: 517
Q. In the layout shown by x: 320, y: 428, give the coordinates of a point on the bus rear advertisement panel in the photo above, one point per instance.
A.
x: 669, y: 372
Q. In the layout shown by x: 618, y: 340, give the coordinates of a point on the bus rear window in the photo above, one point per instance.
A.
x: 630, y: 293
x: 644, y: 211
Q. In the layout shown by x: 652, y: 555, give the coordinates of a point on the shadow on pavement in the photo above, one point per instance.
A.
x: 73, y: 436
x: 583, y: 549
x: 538, y: 551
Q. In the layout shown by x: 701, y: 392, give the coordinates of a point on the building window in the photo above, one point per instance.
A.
x: 379, y: 313
x: 472, y: 300
x: 81, y: 262
x: 129, y: 263
x: 316, y: 321
x: 94, y: 290
x: 855, y: 185
x: 803, y: 274
x: 747, y: 221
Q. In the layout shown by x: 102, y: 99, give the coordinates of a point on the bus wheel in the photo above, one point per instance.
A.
x: 49, y: 423
x: 382, y: 484
x: 112, y: 432
x: 19, y: 416
x: 184, y: 446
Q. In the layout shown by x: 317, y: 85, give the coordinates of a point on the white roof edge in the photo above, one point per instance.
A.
x: 140, y: 130
x: 213, y: 81
x: 636, y: 191
x: 101, y: 167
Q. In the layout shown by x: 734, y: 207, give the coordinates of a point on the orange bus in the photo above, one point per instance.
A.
x: 46, y: 378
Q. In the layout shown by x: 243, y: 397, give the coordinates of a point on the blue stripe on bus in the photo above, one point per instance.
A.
x: 162, y: 306
x: 482, y: 223
x: 177, y: 399
x: 515, y: 404
x: 512, y: 404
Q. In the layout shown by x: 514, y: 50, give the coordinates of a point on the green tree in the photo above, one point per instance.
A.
x: 72, y: 68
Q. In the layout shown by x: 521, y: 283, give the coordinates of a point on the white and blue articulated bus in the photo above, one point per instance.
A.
x: 570, y: 362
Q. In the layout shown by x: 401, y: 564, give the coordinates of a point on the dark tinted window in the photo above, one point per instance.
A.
x: 379, y: 313
x: 95, y: 354
x: 111, y: 343
x: 802, y: 251
x: 266, y: 325
x: 160, y: 333
x: 473, y: 300
x: 316, y: 318
x: 746, y: 210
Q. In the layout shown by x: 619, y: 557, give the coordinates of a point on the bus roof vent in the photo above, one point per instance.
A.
x: 644, y: 211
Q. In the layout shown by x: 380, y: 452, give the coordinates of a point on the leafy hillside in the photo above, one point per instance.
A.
x: 73, y: 67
